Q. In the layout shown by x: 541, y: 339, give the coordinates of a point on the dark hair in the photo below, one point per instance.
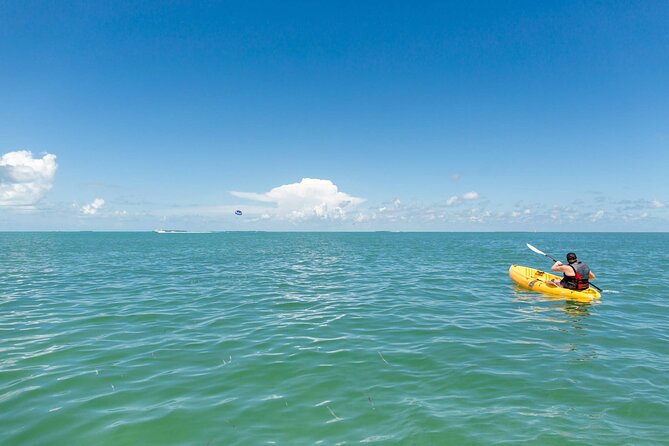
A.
x: 571, y: 257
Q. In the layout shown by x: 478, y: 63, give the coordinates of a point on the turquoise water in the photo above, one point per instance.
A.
x: 328, y: 338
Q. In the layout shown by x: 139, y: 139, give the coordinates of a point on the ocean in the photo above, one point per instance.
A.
x: 329, y: 339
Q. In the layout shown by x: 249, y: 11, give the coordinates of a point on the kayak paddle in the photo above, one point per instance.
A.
x: 544, y: 254
x: 540, y: 252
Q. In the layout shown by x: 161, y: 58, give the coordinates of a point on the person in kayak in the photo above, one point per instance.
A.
x: 576, y: 275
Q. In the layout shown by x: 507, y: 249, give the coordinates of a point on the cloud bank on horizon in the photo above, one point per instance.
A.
x: 23, y: 179
x: 26, y: 179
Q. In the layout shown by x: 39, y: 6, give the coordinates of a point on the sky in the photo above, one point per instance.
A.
x: 334, y: 116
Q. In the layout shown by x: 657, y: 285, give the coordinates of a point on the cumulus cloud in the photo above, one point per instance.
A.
x: 525, y: 212
x: 310, y: 198
x: 455, y: 200
x: 390, y: 207
x: 597, y: 215
x: 23, y: 179
x: 452, y: 200
x: 93, y: 207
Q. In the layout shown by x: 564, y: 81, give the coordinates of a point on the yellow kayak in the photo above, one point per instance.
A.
x: 535, y: 280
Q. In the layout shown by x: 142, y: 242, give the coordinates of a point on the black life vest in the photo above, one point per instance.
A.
x: 580, y: 280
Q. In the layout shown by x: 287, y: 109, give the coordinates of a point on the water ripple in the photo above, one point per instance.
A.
x: 382, y: 338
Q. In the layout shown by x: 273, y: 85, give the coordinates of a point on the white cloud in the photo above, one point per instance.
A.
x: 310, y: 198
x: 452, y: 200
x: 93, y: 207
x: 597, y: 215
x: 656, y: 204
x: 455, y: 200
x: 393, y: 206
x: 23, y: 179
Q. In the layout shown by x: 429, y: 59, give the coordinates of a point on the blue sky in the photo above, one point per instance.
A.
x: 428, y: 116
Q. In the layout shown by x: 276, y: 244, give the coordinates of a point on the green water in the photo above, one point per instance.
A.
x: 328, y: 338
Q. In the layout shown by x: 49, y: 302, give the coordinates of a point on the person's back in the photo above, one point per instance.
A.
x: 576, y: 274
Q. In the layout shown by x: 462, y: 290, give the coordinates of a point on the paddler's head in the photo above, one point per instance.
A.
x: 571, y: 257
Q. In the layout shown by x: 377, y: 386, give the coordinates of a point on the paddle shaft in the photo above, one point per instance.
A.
x: 554, y: 261
x: 595, y: 286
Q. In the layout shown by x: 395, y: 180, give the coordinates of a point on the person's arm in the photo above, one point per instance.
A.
x: 557, y: 267
x: 591, y: 275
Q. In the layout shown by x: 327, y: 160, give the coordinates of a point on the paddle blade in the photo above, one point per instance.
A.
x: 535, y: 249
x: 540, y: 252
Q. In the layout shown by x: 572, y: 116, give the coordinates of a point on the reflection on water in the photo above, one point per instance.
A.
x: 577, y: 313
x: 540, y: 304
x: 563, y: 316
x: 576, y: 310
